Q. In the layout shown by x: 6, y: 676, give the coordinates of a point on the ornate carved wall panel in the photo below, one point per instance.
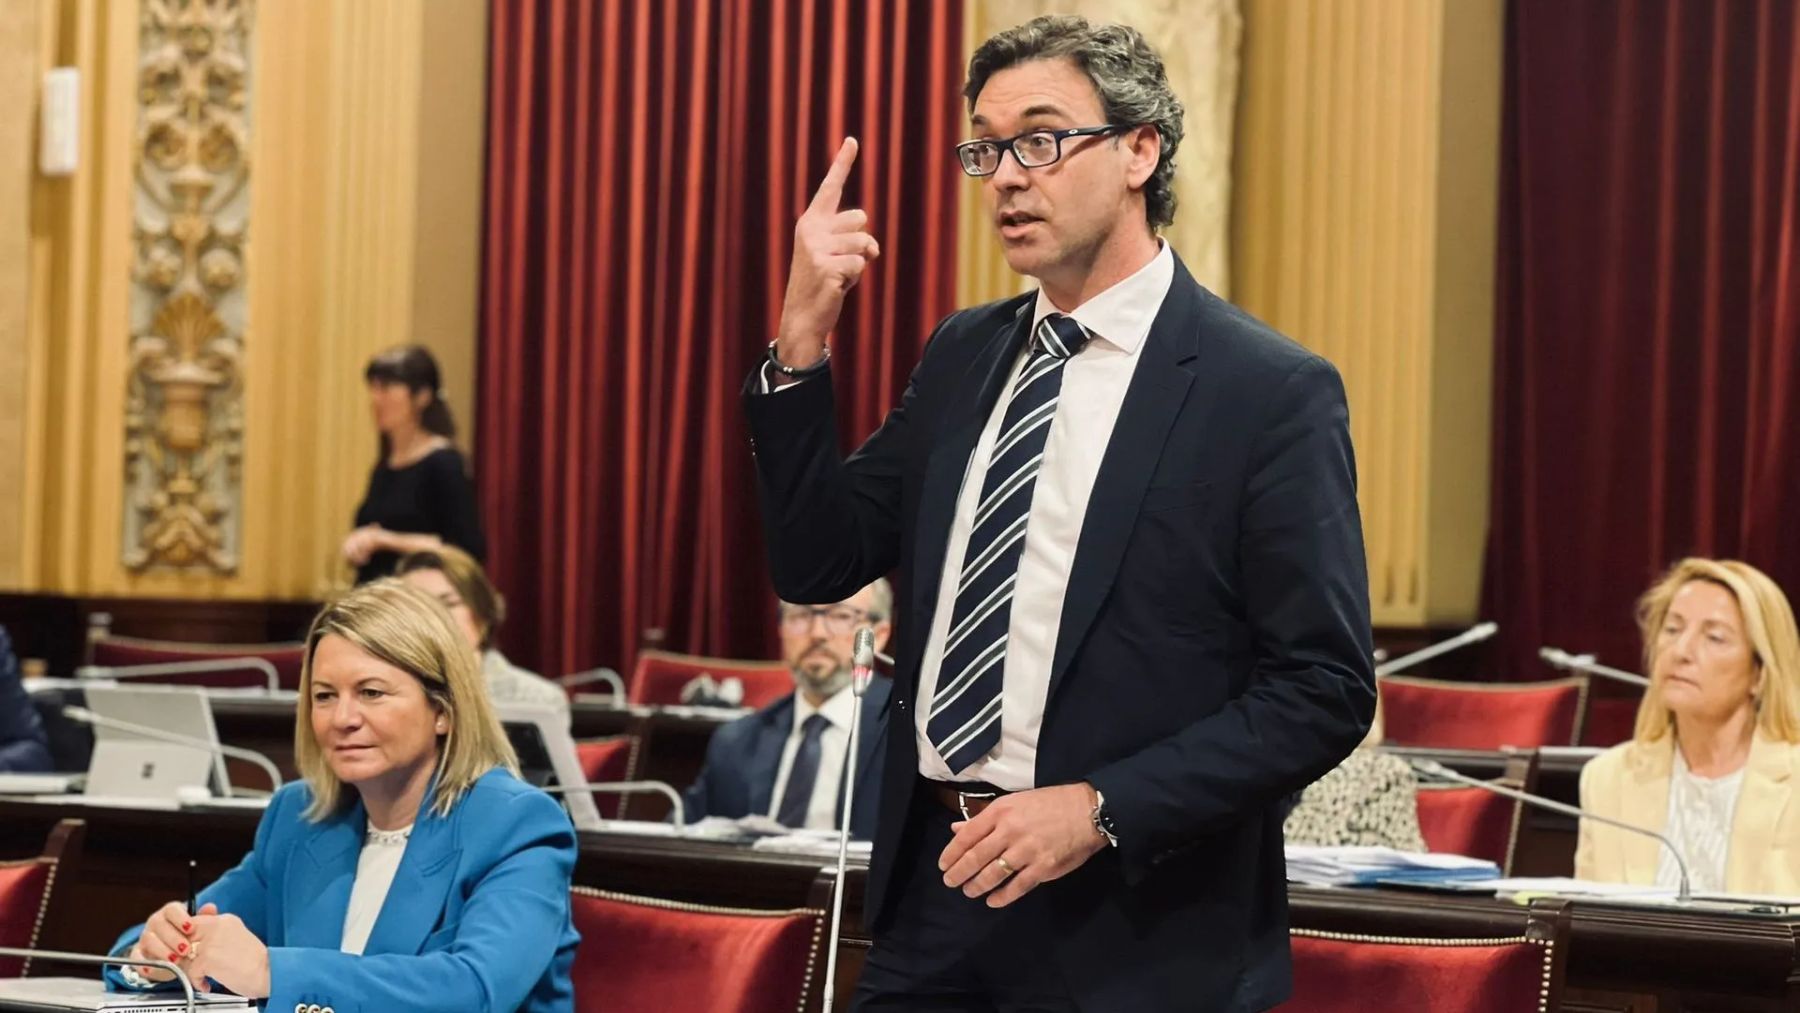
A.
x: 184, y: 413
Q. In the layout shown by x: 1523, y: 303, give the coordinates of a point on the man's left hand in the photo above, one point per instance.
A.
x: 1020, y: 841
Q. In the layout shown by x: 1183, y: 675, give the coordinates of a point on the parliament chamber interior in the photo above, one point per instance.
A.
x: 555, y: 505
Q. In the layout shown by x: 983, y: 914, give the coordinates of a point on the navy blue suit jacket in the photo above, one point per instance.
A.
x: 477, y: 917
x: 744, y: 756
x: 23, y: 746
x: 1213, y: 654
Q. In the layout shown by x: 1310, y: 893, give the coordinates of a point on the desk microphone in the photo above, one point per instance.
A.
x: 86, y: 716
x: 625, y: 787
x: 593, y: 675
x: 1473, y: 635
x: 107, y: 960
x: 1562, y: 659
x: 263, y: 665
x: 862, y: 671
x: 1435, y: 769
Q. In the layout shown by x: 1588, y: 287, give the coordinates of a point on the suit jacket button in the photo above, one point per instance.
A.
x: 299, y: 1007
x: 328, y: 1009
x: 314, y: 1008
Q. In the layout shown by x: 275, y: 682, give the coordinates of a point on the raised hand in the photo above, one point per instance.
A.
x: 832, y: 248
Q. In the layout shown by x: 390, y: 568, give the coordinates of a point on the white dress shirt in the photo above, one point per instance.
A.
x: 821, y: 812
x: 375, y: 868
x: 1093, y: 388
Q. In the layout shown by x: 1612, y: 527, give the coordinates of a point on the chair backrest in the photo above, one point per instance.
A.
x: 25, y: 889
x: 1611, y: 719
x: 660, y: 676
x: 287, y: 658
x: 1345, y: 973
x: 1462, y: 820
x: 1483, y: 715
x: 1468, y: 821
x: 642, y: 953
x: 610, y: 759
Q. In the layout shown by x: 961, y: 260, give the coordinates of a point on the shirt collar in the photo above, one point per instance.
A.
x: 838, y: 709
x: 1121, y: 316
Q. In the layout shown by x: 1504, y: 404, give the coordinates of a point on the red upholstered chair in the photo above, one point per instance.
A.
x: 641, y: 953
x: 1610, y: 719
x: 1462, y: 820
x: 610, y: 759
x: 25, y: 888
x: 1337, y: 972
x: 1483, y: 715
x: 1468, y: 821
x: 111, y: 651
x: 660, y: 676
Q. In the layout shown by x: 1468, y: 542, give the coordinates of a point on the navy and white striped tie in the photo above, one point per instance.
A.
x: 964, y: 724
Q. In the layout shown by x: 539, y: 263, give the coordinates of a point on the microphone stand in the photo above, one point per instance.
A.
x: 862, y: 670
x: 1438, y: 770
x: 593, y: 675
x: 625, y: 787
x: 187, y: 986
x: 1473, y: 635
x: 85, y: 716
x: 1562, y: 659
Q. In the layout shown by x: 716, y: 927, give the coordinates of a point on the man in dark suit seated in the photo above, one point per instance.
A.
x: 786, y: 761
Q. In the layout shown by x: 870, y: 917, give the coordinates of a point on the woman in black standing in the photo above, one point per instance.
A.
x: 419, y: 494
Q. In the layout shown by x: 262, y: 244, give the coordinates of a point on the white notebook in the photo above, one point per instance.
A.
x: 92, y: 996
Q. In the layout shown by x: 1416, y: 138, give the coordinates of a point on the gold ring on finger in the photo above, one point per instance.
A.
x: 1005, y: 866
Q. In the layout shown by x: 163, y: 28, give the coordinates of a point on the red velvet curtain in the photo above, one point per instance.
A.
x: 1647, y: 332
x: 646, y: 162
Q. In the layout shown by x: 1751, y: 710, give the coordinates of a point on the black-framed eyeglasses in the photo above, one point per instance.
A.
x: 839, y: 619
x: 1034, y: 149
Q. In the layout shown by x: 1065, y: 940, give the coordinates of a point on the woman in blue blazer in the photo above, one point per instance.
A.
x: 411, y: 869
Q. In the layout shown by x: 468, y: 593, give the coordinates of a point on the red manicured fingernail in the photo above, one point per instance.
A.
x: 182, y: 948
x: 171, y: 956
x: 187, y: 926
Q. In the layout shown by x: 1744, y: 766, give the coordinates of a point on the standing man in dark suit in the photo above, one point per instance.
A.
x: 1135, y: 608
x: 786, y: 761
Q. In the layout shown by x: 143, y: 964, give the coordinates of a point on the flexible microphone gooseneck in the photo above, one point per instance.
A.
x: 862, y: 670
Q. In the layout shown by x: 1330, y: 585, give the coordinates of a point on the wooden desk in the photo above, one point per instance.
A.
x: 1630, y: 960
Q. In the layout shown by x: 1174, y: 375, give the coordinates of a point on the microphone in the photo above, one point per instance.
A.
x: 1562, y: 659
x: 862, y: 660
x: 593, y: 675
x: 86, y: 716
x: 622, y: 787
x: 862, y: 672
x: 1435, y: 769
x: 97, y: 960
x: 1473, y: 635
x: 183, y: 668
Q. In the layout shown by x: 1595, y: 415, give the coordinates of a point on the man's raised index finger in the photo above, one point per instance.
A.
x: 832, y: 189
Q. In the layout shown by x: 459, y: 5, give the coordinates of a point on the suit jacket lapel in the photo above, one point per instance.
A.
x: 416, y: 898
x: 318, y: 885
x: 1159, y: 387
x: 764, y: 761
x: 974, y: 402
x: 1761, y: 803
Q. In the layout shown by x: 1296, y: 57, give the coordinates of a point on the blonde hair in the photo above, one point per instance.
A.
x: 1769, y: 624
x: 403, y: 626
x: 469, y: 580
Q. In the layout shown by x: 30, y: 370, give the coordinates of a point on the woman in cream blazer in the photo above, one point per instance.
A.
x: 1712, y: 761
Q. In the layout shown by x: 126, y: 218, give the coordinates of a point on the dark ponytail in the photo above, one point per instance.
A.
x: 413, y: 366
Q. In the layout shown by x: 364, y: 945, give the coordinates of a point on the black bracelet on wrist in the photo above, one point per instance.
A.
x: 801, y: 372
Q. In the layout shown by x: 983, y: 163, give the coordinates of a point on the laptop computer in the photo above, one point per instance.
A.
x: 128, y: 764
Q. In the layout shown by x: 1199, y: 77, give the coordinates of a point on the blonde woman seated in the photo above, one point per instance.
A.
x: 1369, y: 799
x: 1711, y: 762
x: 411, y: 870
x: 454, y: 578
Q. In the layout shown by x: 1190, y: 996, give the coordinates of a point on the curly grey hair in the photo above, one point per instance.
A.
x: 1125, y: 70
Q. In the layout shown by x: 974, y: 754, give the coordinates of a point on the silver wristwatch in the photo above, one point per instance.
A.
x: 1103, y: 821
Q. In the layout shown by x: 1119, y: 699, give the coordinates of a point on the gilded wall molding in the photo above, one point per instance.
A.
x: 184, y: 428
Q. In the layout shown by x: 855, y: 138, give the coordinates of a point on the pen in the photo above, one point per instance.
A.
x: 192, y: 908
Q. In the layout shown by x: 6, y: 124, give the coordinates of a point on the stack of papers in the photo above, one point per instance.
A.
x: 1349, y: 866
